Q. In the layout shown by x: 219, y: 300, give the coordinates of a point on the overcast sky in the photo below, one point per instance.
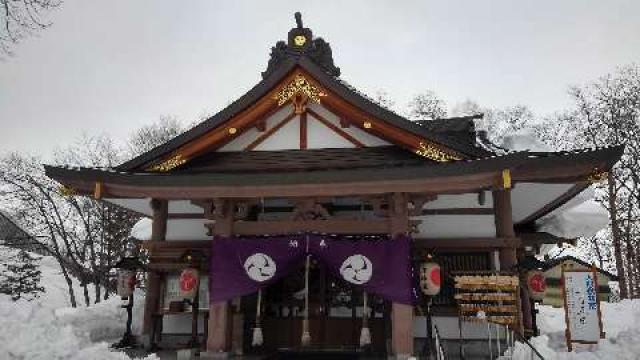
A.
x: 113, y: 66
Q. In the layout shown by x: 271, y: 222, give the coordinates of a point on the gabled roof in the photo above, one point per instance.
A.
x: 317, y: 61
x: 558, y: 261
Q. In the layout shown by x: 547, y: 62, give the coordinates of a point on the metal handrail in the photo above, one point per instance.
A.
x: 509, y: 336
x: 531, y: 347
x: 441, y: 354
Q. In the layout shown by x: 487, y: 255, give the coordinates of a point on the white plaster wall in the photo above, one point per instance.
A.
x: 320, y: 136
x: 362, y: 136
x: 460, y: 201
x: 141, y: 206
x: 187, y: 229
x: 287, y: 137
x: 184, y: 207
x: 242, y: 141
x: 455, y: 226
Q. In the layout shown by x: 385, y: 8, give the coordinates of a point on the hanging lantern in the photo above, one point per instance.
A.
x: 126, y: 282
x: 430, y: 278
x: 537, y: 285
x: 189, y: 282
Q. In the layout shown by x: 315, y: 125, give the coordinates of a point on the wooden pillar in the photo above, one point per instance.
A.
x: 401, y: 314
x: 219, y: 338
x: 158, y: 233
x: 504, y: 226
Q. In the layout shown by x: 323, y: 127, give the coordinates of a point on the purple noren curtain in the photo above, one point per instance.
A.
x: 240, y: 266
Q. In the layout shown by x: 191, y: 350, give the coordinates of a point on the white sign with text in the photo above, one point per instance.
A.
x: 581, y: 306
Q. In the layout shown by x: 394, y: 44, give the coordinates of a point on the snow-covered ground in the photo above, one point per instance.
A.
x: 48, y: 328
x: 621, y: 323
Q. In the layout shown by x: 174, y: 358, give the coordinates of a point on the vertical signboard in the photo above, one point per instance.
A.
x: 582, y: 309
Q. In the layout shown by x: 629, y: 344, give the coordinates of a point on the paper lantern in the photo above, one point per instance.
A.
x: 537, y: 285
x: 189, y: 282
x: 430, y: 278
x: 126, y: 282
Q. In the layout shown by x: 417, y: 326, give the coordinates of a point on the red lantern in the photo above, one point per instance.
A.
x: 189, y: 282
x: 126, y: 283
x: 430, y: 278
x: 537, y: 285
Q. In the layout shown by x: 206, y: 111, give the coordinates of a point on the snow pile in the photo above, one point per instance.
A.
x: 582, y: 220
x: 47, y: 328
x: 621, y: 324
x: 524, y: 140
x: 142, y: 229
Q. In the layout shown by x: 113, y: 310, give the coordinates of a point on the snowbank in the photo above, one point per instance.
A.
x: 47, y: 328
x: 582, y: 220
x: 524, y: 140
x: 142, y: 229
x: 621, y: 323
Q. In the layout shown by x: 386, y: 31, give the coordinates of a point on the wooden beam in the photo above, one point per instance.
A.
x: 440, y: 185
x: 303, y: 131
x: 270, y: 132
x: 378, y: 128
x: 458, y: 211
x: 186, y: 216
x: 336, y: 129
x: 241, y: 122
x: 334, y: 226
x: 465, y: 243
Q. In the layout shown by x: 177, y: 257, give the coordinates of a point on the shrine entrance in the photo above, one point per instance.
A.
x: 335, y: 315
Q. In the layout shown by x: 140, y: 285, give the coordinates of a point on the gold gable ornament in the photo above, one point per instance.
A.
x: 299, y: 84
x: 169, y: 164
x: 431, y: 152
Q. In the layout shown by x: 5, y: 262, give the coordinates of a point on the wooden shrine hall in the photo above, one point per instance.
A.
x: 303, y: 152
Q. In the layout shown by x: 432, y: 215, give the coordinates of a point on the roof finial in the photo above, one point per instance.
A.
x: 298, y: 17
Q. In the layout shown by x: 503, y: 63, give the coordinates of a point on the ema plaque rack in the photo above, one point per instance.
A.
x: 488, y: 297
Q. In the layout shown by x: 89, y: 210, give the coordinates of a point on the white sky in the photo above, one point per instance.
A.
x: 112, y: 66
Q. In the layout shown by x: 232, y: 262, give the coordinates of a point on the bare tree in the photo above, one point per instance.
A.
x: 20, y: 18
x: 150, y: 136
x: 608, y: 113
x: 427, y: 106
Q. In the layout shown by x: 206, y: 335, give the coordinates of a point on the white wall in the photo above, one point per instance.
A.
x: 455, y: 226
x: 187, y: 229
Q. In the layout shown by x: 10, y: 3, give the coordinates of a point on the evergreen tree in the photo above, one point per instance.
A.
x: 20, y: 277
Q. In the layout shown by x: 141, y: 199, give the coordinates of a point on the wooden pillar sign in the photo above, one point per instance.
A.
x: 581, y: 306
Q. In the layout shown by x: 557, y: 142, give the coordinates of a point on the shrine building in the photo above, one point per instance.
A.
x: 313, y: 206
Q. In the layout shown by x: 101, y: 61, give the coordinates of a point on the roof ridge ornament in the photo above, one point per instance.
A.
x: 300, y: 41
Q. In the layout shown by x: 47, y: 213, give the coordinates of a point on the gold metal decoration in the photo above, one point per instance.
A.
x: 367, y: 125
x: 232, y: 130
x: 299, y: 84
x: 506, y: 179
x: 169, y: 164
x: 67, y: 191
x: 597, y: 176
x: 431, y: 152
x: 98, y: 190
x: 299, y: 40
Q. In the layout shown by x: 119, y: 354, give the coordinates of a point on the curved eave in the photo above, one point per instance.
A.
x: 460, y: 176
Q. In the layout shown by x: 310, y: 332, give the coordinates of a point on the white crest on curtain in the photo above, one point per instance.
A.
x: 357, y: 269
x: 260, y: 267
